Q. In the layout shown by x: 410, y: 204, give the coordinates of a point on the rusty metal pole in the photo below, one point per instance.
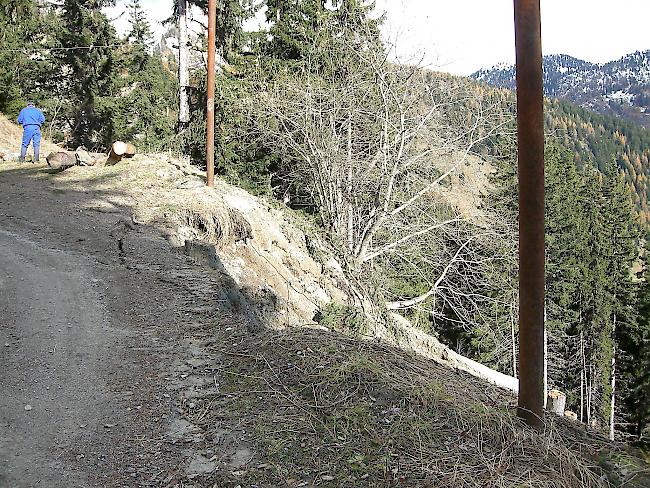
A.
x: 212, y: 24
x: 530, y: 138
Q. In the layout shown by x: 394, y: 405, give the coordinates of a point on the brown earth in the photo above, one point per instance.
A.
x: 99, y: 329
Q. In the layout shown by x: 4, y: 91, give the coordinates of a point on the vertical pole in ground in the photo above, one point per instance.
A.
x: 530, y: 138
x: 212, y: 23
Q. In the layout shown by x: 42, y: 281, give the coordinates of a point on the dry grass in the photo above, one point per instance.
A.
x: 11, y: 135
x: 328, y: 410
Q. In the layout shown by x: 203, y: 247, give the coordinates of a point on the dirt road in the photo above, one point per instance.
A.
x: 98, y: 323
x: 57, y: 340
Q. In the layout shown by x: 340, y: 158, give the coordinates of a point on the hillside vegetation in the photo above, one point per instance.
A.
x: 599, y: 112
x: 405, y: 180
x: 272, y: 398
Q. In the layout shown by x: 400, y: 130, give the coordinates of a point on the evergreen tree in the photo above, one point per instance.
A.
x: 147, y: 88
x: 621, y: 251
x: 635, y: 351
x: 565, y: 242
x: 295, y: 25
x: 90, y: 42
x: 27, y: 68
x: 311, y: 30
x: 623, y: 243
x: 140, y: 36
x: 14, y: 15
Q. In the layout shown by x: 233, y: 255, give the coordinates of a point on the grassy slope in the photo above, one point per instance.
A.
x: 329, y: 410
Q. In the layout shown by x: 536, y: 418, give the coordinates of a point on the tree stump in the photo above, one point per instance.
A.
x: 556, y: 402
x: 571, y: 415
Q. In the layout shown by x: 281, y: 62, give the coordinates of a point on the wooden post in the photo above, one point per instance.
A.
x: 530, y: 143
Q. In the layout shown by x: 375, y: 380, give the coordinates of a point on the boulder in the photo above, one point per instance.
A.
x: 84, y: 158
x: 61, y: 160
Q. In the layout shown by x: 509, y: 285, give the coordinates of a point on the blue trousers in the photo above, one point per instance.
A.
x: 31, y: 133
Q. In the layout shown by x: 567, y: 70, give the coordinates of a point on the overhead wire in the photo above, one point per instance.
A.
x: 69, y: 48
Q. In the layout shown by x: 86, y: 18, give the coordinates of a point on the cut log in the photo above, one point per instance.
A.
x: 130, y: 151
x: 119, y: 150
x: 403, y: 334
x: 60, y: 160
x: 556, y: 402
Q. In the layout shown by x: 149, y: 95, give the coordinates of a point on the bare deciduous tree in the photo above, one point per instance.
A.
x: 375, y: 144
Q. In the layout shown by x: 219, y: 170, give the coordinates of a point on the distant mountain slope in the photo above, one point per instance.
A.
x: 620, y: 87
x: 597, y: 139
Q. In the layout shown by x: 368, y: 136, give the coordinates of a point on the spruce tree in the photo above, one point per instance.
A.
x: 565, y: 241
x: 140, y: 36
x: 90, y: 42
x: 148, y: 89
x: 27, y: 68
x: 295, y: 27
x: 621, y: 251
x: 635, y: 351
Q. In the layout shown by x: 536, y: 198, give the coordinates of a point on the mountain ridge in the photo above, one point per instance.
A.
x: 620, y: 87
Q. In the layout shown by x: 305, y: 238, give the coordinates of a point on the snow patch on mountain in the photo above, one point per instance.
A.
x: 620, y: 87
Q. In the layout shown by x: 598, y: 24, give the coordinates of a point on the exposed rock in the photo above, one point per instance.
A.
x: 190, y: 184
x: 61, y: 160
x: 84, y: 158
x: 200, y: 466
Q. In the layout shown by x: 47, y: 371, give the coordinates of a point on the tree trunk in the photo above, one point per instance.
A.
x: 613, y: 393
x: 350, y: 177
x: 545, y: 360
x: 556, y: 402
x: 514, y: 344
x: 183, y: 65
x: 590, y: 380
x: 583, y: 378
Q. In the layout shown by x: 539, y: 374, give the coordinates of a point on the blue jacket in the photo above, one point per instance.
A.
x: 31, y: 116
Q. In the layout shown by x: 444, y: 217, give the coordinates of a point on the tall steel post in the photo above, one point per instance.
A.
x: 212, y: 23
x: 530, y: 137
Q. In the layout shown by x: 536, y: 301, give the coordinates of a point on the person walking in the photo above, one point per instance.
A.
x: 31, y: 118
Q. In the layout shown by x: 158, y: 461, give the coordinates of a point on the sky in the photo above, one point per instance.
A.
x: 462, y: 36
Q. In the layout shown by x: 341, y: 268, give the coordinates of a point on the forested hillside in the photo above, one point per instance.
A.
x: 597, y: 140
x: 408, y: 176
